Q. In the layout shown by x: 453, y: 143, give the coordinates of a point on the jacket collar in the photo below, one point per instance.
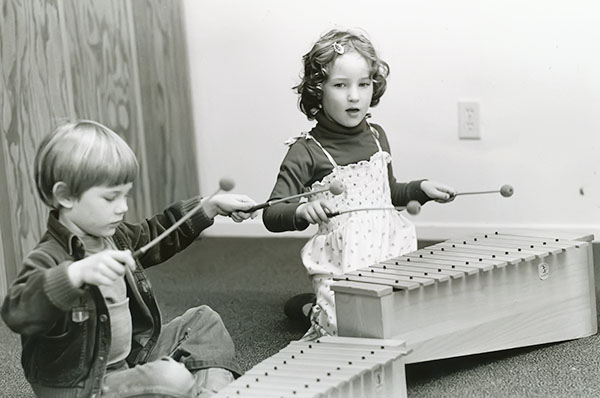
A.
x: 67, y: 239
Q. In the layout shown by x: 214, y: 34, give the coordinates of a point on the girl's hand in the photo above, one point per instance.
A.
x: 313, y: 212
x: 101, y: 268
x: 232, y: 205
x: 440, y: 192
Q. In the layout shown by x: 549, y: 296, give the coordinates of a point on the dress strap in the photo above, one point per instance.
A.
x: 324, y: 151
x: 307, y: 136
x: 376, y: 137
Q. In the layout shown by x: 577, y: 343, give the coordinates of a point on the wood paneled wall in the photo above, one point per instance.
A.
x: 120, y: 62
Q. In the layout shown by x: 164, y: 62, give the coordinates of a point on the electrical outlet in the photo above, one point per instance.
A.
x: 468, y: 120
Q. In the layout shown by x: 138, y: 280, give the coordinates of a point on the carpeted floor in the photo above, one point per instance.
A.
x: 248, y: 281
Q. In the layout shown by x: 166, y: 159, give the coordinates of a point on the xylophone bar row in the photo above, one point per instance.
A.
x: 459, y: 258
x: 328, y: 367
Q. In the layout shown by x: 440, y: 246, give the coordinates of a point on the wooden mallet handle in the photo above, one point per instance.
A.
x: 335, y: 187
x: 225, y: 184
x: 413, y: 207
x: 506, y: 191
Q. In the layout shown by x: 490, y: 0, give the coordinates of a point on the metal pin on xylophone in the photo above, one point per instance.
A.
x: 480, y: 293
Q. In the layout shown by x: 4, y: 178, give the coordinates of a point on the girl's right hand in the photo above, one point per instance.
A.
x: 228, y: 204
x: 102, y: 268
x: 313, y: 212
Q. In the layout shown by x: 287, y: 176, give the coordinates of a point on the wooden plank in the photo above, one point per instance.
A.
x: 470, y: 256
x: 493, y: 254
x: 375, y: 290
x: 391, y: 277
x: 433, y: 265
x: 494, y: 251
x: 104, y: 79
x: 379, y: 270
x: 540, y: 243
x: 397, y: 283
x: 429, y: 271
x: 483, y: 265
x: 165, y: 99
x: 35, y: 94
x: 545, y: 233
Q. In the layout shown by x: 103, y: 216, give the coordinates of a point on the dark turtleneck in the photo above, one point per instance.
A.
x: 305, y: 163
x: 346, y: 145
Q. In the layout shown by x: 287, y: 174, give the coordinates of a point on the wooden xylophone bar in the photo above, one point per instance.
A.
x: 332, y: 367
x: 480, y: 293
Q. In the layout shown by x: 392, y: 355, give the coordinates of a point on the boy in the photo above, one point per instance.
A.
x: 89, y: 322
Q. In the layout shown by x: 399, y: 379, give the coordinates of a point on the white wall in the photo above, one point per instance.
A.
x: 533, y: 66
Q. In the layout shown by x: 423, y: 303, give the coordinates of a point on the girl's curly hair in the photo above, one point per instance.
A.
x: 318, y: 61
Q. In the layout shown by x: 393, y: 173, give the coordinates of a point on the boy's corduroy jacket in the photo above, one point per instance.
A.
x: 65, y: 331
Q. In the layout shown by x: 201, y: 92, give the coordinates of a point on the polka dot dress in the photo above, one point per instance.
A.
x: 357, y: 239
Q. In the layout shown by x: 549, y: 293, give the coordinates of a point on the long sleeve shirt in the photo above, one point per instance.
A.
x: 306, y: 163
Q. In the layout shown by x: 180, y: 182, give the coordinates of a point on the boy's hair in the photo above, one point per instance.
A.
x: 82, y: 154
x: 318, y: 61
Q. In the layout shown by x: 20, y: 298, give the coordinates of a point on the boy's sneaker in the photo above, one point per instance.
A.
x: 298, y: 308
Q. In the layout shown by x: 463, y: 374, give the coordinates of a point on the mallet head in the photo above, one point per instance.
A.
x: 506, y: 191
x: 226, y: 184
x: 336, y: 187
x: 413, y: 207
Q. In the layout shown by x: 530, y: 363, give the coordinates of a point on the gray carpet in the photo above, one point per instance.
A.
x: 249, y: 280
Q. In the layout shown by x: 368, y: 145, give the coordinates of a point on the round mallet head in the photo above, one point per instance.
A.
x: 226, y: 184
x: 506, y: 191
x: 413, y: 207
x: 336, y: 187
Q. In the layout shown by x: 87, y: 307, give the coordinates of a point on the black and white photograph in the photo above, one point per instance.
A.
x: 285, y: 199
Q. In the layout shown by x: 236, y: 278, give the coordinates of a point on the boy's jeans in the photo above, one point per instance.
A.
x: 192, y: 358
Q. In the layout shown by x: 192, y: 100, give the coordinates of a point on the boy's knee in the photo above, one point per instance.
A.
x: 203, y: 309
x: 206, y: 314
x: 173, y: 375
x: 210, y: 380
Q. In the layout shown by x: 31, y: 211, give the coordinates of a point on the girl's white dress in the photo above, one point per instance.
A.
x: 355, y: 239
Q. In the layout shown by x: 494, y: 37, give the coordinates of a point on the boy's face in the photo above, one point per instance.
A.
x: 348, y: 91
x: 98, y: 211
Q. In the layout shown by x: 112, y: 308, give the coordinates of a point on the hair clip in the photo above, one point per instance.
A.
x: 338, y: 48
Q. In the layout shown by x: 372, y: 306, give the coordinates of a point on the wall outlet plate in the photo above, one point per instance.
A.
x: 469, y: 123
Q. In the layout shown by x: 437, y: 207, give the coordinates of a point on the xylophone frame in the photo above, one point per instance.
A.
x: 330, y: 367
x: 487, y: 293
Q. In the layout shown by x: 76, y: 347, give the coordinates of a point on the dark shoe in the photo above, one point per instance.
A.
x: 298, y: 307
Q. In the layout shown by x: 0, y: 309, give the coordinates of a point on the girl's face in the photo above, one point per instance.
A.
x: 348, y: 91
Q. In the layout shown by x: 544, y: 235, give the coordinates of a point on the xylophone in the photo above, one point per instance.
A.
x: 332, y: 367
x: 481, y: 293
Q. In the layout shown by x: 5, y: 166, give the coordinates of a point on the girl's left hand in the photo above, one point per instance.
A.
x: 439, y: 192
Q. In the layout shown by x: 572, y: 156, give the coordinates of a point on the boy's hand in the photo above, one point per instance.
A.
x: 231, y: 205
x: 313, y: 212
x: 440, y: 192
x: 101, y: 268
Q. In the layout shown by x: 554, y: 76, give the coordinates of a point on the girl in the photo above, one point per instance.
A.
x: 343, y: 77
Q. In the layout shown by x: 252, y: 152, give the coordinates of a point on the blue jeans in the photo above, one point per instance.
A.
x: 193, y: 357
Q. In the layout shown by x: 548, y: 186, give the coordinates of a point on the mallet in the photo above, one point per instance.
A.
x: 413, y: 207
x: 506, y: 191
x: 335, y: 187
x: 225, y: 184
